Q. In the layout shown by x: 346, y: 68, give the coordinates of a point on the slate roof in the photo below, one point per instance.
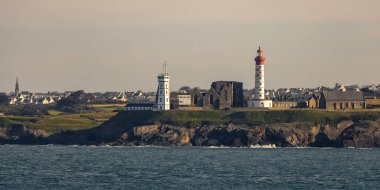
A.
x: 343, y: 96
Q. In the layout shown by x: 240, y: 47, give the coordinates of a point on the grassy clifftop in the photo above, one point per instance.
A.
x: 200, y: 118
x: 57, y: 121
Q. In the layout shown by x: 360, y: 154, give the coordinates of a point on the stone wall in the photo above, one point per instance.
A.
x: 285, y: 104
x: 344, y: 105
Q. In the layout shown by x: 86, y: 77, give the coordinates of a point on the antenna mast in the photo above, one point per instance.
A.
x: 165, y: 68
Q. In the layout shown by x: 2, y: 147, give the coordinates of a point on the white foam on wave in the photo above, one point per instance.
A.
x: 217, y: 147
x: 263, y: 146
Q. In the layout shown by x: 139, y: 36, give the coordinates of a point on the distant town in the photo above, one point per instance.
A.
x: 222, y: 95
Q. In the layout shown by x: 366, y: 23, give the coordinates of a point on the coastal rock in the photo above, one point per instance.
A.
x: 22, y: 135
x: 159, y: 135
x: 364, y: 134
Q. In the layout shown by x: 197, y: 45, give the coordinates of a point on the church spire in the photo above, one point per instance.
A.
x: 17, y: 88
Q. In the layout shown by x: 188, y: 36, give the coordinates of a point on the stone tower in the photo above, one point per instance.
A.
x: 259, y: 100
x: 163, y: 92
x: 17, y: 88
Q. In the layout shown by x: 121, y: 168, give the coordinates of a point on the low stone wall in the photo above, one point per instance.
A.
x: 191, y: 108
x: 248, y: 109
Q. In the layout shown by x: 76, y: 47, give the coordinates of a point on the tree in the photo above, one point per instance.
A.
x: 4, y: 99
x: 75, y: 102
x: 185, y: 89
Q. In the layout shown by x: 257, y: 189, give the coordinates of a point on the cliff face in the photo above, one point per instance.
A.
x: 22, y: 135
x: 345, y: 134
x: 122, y: 130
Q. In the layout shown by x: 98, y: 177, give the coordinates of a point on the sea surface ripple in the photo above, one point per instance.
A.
x: 86, y: 167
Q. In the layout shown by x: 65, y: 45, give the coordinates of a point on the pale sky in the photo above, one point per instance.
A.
x: 120, y: 45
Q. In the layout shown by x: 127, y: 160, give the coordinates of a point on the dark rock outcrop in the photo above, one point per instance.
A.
x: 300, y: 134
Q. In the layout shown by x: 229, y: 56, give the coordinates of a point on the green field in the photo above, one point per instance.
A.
x: 58, y: 121
x: 192, y: 119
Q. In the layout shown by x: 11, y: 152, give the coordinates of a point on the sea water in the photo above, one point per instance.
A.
x: 92, y: 167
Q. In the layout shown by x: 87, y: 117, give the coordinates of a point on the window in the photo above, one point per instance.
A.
x: 334, y: 106
x: 341, y: 105
x: 352, y: 105
x: 347, y: 105
x: 160, y: 92
x: 211, y: 99
x: 160, y: 99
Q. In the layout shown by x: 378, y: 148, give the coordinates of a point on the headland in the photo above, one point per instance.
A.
x: 283, y: 128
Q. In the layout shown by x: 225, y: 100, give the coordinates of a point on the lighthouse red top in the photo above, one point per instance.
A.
x: 260, y: 59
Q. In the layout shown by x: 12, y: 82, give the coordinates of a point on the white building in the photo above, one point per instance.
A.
x: 184, y: 100
x: 259, y: 100
x: 163, y: 91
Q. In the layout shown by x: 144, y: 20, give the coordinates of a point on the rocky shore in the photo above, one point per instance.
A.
x: 122, y: 130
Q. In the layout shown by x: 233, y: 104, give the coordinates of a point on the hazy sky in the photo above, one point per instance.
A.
x: 120, y: 45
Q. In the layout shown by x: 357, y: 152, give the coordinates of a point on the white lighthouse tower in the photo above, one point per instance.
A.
x: 259, y: 100
x: 163, y: 91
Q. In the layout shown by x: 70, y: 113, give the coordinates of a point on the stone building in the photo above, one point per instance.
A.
x: 211, y: 99
x: 196, y: 98
x: 230, y: 94
x: 341, y: 100
x: 308, y: 101
x: 222, y: 95
x: 180, y: 99
x: 312, y: 102
x: 372, y: 102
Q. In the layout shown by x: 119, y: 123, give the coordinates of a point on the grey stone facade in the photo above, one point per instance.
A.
x: 221, y: 95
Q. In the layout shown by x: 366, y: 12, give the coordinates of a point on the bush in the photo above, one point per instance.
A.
x: 75, y: 102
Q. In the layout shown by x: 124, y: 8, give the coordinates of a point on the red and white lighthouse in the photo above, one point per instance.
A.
x: 259, y: 100
x: 259, y: 77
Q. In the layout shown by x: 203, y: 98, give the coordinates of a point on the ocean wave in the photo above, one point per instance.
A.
x: 263, y: 146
